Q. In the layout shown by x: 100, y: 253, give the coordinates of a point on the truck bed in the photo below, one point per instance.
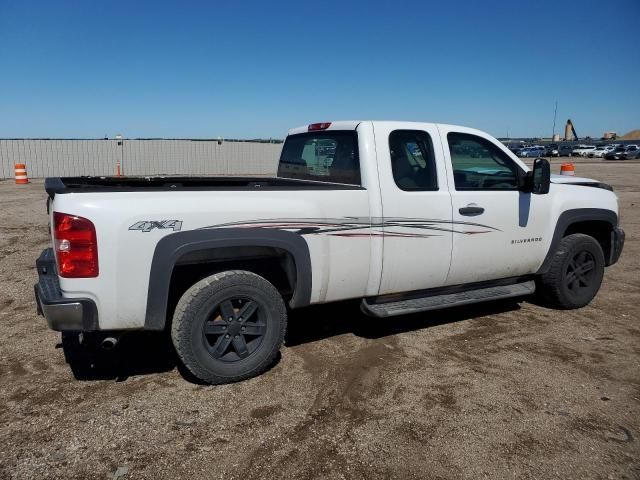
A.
x: 61, y: 185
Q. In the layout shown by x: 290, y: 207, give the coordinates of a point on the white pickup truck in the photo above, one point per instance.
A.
x: 408, y: 217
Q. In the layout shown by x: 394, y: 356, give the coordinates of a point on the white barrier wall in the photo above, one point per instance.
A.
x: 48, y: 158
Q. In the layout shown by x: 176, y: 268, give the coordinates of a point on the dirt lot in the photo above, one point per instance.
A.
x: 503, y: 390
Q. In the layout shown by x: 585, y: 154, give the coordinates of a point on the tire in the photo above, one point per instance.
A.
x: 212, y: 338
x: 560, y: 286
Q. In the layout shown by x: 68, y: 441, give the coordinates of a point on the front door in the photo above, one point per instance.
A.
x: 498, y: 230
x: 416, y: 222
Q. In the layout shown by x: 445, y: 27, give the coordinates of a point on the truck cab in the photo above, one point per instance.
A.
x: 450, y: 204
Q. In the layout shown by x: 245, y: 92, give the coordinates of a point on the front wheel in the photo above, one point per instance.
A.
x: 229, y: 326
x: 575, y: 274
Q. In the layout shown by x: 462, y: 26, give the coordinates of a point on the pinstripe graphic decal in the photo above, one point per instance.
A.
x: 354, y: 227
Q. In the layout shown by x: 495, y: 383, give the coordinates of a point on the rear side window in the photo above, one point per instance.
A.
x: 412, y: 160
x: 330, y: 156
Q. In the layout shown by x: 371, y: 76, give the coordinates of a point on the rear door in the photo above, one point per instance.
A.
x: 416, y: 222
x: 498, y: 230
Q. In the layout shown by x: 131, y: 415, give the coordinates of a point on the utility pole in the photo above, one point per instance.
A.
x: 555, y: 111
x: 120, y: 161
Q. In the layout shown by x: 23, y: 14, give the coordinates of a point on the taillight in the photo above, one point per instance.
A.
x: 318, y: 126
x: 75, y: 245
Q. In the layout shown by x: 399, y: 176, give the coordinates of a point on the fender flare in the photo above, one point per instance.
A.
x: 568, y: 218
x: 170, y: 248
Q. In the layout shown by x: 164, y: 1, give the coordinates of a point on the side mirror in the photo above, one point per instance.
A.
x: 540, y: 176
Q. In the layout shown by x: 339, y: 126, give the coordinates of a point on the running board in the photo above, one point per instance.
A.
x: 435, y: 302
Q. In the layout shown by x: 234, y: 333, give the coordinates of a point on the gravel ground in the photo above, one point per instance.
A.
x: 501, y: 390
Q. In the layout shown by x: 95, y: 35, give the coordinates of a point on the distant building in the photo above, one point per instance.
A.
x: 610, y: 135
x: 556, y: 137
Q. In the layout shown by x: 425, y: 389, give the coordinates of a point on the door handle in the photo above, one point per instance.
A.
x: 471, y: 211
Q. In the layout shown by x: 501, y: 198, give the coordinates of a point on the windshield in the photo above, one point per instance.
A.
x: 329, y: 156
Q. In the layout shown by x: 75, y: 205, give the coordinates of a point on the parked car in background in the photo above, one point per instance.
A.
x: 599, y: 152
x: 564, y: 150
x: 619, y: 153
x: 632, y: 151
x: 552, y: 150
x: 516, y: 149
x: 582, y: 150
x: 536, y: 151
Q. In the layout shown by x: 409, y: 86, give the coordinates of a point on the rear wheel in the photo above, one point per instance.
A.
x: 575, y: 274
x: 229, y: 326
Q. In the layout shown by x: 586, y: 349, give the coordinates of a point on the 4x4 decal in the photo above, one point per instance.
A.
x: 148, y: 225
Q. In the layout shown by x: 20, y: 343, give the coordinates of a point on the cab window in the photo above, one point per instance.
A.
x: 412, y: 160
x: 330, y: 156
x: 478, y: 164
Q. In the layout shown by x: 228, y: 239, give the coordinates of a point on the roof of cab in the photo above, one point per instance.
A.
x: 353, y: 124
x: 340, y: 125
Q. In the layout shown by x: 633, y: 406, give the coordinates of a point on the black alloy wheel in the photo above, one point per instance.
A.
x: 580, y: 273
x: 235, y: 329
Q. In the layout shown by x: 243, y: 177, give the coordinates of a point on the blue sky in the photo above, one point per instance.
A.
x: 255, y: 69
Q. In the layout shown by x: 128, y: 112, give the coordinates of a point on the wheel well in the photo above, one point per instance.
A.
x: 598, y: 229
x: 275, y: 265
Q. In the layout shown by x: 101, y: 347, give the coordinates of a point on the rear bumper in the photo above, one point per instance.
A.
x: 617, y: 244
x: 62, y: 314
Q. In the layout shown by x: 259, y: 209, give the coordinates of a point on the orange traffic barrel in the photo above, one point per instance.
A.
x: 567, y: 169
x: 21, y: 174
